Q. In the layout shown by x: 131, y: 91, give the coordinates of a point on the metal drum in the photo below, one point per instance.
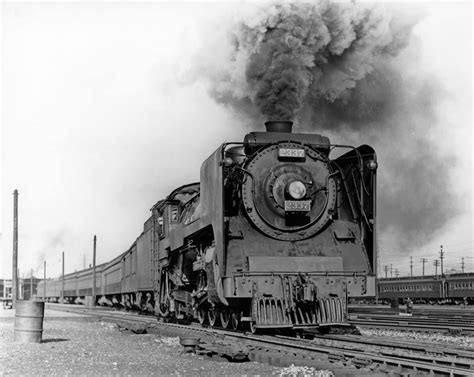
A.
x: 28, y: 321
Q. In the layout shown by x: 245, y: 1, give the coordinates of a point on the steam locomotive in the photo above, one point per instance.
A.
x: 277, y: 234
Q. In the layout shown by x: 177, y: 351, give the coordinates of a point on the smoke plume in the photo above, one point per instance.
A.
x: 338, y: 69
x: 294, y: 54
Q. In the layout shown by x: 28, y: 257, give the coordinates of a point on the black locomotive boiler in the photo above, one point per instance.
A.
x: 277, y: 234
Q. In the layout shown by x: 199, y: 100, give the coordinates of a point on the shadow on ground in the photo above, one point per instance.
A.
x: 54, y: 340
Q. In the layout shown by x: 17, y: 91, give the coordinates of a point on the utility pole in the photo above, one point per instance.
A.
x: 44, y: 285
x: 462, y: 264
x: 386, y: 270
x: 93, y: 272
x: 31, y: 285
x: 396, y: 272
x: 391, y: 271
x: 411, y: 267
x: 436, y: 264
x: 62, y: 283
x: 15, y: 249
x: 441, y: 257
x: 423, y: 260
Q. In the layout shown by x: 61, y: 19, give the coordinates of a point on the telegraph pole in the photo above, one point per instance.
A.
x: 423, y: 260
x: 62, y: 283
x: 441, y: 257
x: 462, y: 264
x: 436, y: 264
x: 31, y: 285
x: 93, y: 272
x: 411, y: 267
x: 391, y: 271
x: 15, y: 249
x: 44, y: 285
x: 386, y: 270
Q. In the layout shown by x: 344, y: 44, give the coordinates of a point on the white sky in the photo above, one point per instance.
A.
x: 98, y: 123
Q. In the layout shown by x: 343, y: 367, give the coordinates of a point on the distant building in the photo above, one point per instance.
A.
x: 27, y: 288
x: 5, y: 289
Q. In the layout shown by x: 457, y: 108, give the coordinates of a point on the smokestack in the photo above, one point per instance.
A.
x: 279, y: 126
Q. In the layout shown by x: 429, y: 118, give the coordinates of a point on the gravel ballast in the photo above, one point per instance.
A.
x: 77, y: 345
x: 428, y: 338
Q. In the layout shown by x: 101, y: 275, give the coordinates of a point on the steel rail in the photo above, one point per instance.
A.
x: 386, y: 361
x: 443, y: 350
x: 404, y: 324
x: 421, y: 318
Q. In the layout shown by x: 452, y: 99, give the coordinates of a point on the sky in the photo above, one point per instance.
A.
x: 100, y: 120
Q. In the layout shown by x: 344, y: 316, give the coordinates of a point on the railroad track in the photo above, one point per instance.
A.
x: 462, y: 325
x: 447, y: 312
x: 342, y: 354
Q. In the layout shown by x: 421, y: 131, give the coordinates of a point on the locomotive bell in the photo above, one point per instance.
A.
x: 279, y: 126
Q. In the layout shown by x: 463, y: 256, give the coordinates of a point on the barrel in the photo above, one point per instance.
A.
x: 28, y: 321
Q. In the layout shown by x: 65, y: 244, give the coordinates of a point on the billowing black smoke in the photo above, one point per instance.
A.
x: 298, y: 53
x: 336, y: 69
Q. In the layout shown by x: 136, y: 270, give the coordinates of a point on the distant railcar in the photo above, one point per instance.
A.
x: 445, y: 289
x: 460, y: 287
x: 427, y: 289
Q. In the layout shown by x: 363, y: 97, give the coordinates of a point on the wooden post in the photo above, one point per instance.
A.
x: 15, y: 249
x: 93, y: 272
x: 44, y: 285
x: 31, y: 285
x: 62, y: 283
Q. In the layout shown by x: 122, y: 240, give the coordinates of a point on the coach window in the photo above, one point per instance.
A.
x: 174, y: 214
x: 161, y: 230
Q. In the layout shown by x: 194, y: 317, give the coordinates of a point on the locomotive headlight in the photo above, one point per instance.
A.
x: 297, y: 190
x: 372, y: 165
